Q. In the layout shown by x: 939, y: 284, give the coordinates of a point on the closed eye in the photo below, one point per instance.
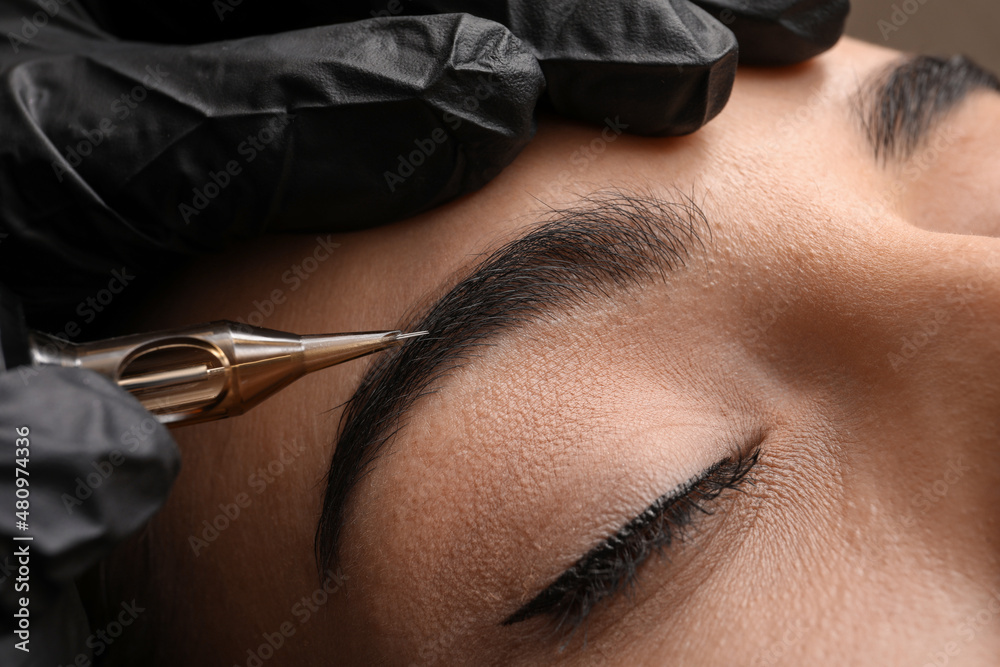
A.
x: 611, y: 567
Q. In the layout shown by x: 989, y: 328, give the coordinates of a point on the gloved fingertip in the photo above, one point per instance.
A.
x: 666, y: 101
x: 101, y: 465
x: 493, y: 85
x: 781, y: 32
x: 658, y: 69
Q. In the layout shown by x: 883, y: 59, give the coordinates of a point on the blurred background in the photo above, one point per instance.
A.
x: 938, y: 27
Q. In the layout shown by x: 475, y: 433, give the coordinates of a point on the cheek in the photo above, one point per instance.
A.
x: 950, y: 184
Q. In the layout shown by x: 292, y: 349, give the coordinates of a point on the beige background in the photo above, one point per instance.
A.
x: 942, y: 27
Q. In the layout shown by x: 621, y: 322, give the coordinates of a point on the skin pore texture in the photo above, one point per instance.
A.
x: 838, y: 314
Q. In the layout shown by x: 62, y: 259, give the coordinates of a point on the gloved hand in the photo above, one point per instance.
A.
x: 95, y: 467
x: 122, y: 157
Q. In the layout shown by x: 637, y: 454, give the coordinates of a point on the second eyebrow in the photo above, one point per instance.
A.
x: 900, y: 105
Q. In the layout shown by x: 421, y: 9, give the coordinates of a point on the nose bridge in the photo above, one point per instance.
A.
x: 905, y: 351
x: 894, y: 332
x: 867, y: 296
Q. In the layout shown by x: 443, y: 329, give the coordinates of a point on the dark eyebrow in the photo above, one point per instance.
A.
x: 899, y: 106
x: 613, y: 241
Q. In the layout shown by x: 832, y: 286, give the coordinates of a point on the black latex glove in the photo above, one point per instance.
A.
x: 98, y: 467
x: 124, y: 156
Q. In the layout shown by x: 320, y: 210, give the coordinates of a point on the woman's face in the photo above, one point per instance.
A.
x: 790, y: 434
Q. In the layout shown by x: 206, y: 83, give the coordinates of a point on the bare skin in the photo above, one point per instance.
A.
x: 870, y: 535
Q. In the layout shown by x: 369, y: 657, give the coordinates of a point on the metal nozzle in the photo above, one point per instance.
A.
x: 210, y: 371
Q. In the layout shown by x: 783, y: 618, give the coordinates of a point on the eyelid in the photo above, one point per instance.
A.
x: 611, y: 567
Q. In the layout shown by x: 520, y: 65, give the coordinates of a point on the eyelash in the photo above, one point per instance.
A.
x: 612, y: 566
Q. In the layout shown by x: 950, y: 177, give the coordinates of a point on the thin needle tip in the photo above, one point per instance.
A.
x: 413, y: 334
